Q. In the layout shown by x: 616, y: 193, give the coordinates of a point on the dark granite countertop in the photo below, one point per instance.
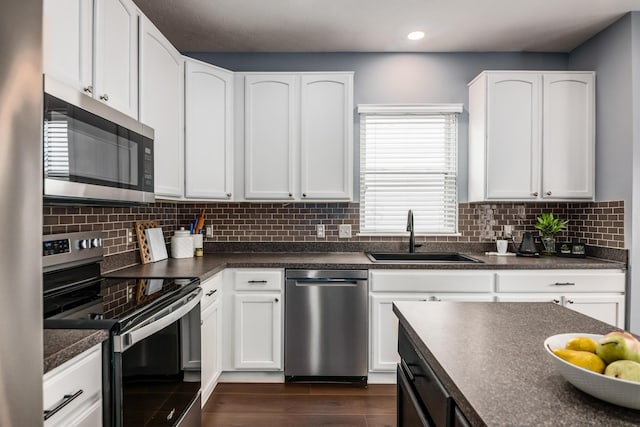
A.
x: 61, y: 345
x: 209, y: 264
x: 490, y: 357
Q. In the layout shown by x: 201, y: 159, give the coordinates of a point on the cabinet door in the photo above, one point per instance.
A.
x: 161, y: 107
x: 208, y: 131
x: 211, y: 348
x: 116, y: 55
x: 383, y: 355
x: 513, y: 135
x: 607, y: 308
x: 68, y: 42
x: 258, y: 331
x: 326, y: 159
x: 554, y: 298
x: 271, y: 112
x: 568, y: 136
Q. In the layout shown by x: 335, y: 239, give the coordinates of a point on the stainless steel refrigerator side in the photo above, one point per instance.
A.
x: 21, y: 213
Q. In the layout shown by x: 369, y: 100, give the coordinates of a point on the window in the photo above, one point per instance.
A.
x: 408, y: 160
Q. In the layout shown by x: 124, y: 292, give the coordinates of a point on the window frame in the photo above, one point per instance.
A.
x: 408, y: 110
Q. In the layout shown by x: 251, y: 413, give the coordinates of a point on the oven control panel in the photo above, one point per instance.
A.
x: 54, y: 247
x: 61, y: 249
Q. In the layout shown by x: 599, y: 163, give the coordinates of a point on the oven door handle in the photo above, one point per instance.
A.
x: 173, y: 313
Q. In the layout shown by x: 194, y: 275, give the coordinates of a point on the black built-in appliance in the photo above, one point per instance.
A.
x: 151, y: 364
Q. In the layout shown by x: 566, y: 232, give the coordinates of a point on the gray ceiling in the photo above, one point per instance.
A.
x: 382, y: 25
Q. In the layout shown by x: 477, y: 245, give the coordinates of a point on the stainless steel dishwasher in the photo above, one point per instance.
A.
x: 326, y: 325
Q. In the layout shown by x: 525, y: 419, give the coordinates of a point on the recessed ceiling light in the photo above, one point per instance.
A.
x: 415, y: 35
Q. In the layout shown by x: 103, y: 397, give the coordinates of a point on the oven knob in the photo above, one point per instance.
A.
x: 96, y: 243
x: 84, y: 244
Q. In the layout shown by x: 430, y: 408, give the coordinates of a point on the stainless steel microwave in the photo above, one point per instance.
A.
x: 92, y: 152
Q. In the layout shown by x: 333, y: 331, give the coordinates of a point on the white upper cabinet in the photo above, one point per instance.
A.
x: 116, y: 55
x: 531, y: 136
x: 162, y: 107
x: 271, y: 111
x: 93, y: 46
x: 326, y: 136
x: 208, y: 131
x: 568, y: 135
x: 68, y: 42
x: 298, y: 136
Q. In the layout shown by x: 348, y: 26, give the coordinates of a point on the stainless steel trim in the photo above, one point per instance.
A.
x: 174, y: 312
x: 73, y: 190
x: 74, y: 97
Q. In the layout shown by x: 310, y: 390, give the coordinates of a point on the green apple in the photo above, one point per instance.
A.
x: 624, y: 369
x: 618, y: 345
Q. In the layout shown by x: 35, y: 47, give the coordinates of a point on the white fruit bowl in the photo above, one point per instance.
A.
x: 613, y: 390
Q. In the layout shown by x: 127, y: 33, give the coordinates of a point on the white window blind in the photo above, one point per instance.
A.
x: 408, y: 160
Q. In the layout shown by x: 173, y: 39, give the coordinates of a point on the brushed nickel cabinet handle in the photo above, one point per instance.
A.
x: 88, y: 89
x: 556, y: 301
x: 548, y: 193
x: 211, y: 292
x: 229, y: 195
x: 564, y: 284
x: 534, y: 194
x: 104, y: 97
x: 257, y: 281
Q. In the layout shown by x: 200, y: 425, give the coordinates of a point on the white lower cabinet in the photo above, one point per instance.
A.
x: 257, y: 307
x: 595, y: 293
x: 211, y: 335
x: 72, y: 392
x: 258, y: 337
x: 388, y: 286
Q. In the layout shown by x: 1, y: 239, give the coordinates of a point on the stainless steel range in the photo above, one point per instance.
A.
x: 152, y: 359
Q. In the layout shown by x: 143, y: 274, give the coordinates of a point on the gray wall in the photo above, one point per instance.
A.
x: 614, y: 55
x: 398, y: 78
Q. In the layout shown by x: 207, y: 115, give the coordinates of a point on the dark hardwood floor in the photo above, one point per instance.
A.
x: 300, y: 405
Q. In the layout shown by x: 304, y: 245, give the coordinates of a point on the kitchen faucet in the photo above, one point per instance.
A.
x: 412, y: 237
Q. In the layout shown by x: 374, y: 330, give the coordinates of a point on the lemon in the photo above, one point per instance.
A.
x: 581, y: 344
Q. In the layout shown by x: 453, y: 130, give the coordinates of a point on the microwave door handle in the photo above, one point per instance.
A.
x: 123, y: 342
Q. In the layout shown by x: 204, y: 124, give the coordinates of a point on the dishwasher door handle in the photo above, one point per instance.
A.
x: 326, y: 282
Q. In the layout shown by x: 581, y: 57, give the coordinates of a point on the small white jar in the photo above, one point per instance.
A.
x: 182, y: 244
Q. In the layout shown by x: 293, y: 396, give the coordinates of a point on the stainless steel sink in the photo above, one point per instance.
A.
x: 421, y: 257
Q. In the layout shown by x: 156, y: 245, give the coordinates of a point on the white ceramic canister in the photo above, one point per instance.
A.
x: 181, y: 244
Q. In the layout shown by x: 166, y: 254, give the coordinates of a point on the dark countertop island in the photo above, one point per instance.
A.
x: 490, y: 357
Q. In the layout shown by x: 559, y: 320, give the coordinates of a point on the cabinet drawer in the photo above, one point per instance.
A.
x: 211, y: 289
x: 561, y: 281
x: 430, y: 281
x: 258, y: 280
x: 80, y: 377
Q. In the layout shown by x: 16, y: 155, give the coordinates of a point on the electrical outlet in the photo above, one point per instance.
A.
x: 130, y: 235
x: 320, y: 231
x: 209, y: 231
x: 344, y: 231
x: 507, y: 230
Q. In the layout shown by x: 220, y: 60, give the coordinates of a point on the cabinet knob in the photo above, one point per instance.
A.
x: 534, y: 194
x: 228, y: 195
x: 304, y: 194
x: 290, y: 195
x: 548, y: 193
x: 570, y: 301
x: 104, y: 97
x: 277, y: 300
x: 88, y: 89
x: 556, y: 301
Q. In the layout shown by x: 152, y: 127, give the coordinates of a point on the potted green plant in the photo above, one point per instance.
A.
x: 549, y: 226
